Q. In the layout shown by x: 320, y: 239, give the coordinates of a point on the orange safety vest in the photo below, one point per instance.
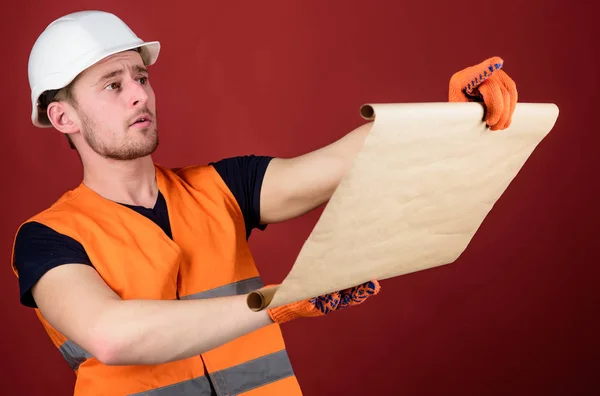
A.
x: 207, y: 257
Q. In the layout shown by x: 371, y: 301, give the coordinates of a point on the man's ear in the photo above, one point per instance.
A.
x: 60, y: 117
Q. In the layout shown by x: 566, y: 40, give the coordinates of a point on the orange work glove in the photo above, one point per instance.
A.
x: 488, y: 83
x: 325, y: 304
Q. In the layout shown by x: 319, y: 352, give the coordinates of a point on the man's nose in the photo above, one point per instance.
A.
x: 137, y: 93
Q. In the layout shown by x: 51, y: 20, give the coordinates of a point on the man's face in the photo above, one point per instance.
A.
x: 116, y: 108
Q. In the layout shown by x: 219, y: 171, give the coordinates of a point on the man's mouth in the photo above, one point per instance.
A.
x: 142, y: 121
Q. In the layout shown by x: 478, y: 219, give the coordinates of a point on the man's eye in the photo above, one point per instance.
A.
x: 113, y: 86
x: 143, y: 80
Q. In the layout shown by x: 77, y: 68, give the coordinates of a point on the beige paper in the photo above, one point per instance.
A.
x: 426, y: 178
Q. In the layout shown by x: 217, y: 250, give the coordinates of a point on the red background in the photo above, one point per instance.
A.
x: 515, y: 314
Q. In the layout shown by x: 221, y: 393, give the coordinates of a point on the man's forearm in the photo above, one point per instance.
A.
x: 297, y: 185
x: 153, y: 332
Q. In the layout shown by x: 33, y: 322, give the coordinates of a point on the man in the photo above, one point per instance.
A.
x: 140, y: 274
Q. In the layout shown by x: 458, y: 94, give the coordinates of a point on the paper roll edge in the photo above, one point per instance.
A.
x: 258, y: 300
x: 367, y: 112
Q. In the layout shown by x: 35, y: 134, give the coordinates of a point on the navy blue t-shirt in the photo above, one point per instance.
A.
x: 38, y: 248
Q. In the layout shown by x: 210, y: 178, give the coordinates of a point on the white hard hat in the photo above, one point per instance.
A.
x: 71, y: 44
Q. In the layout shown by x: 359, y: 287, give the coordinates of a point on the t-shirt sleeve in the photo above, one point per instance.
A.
x: 38, y: 249
x: 244, y: 176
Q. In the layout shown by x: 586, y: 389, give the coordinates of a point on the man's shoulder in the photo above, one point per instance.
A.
x: 223, y: 173
x: 198, y: 177
x: 58, y: 218
x: 59, y: 204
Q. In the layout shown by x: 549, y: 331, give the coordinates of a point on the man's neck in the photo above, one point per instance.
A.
x: 128, y: 182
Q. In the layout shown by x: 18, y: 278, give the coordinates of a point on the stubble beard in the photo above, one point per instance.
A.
x: 129, y: 150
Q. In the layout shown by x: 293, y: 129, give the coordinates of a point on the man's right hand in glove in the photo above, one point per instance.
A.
x: 325, y: 304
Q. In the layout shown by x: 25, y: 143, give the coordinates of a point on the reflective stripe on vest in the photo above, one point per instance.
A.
x: 232, y: 289
x: 76, y: 355
x: 73, y: 354
x: 234, y: 380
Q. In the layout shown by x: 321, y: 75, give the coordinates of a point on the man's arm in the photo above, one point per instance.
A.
x: 78, y: 303
x: 295, y: 186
